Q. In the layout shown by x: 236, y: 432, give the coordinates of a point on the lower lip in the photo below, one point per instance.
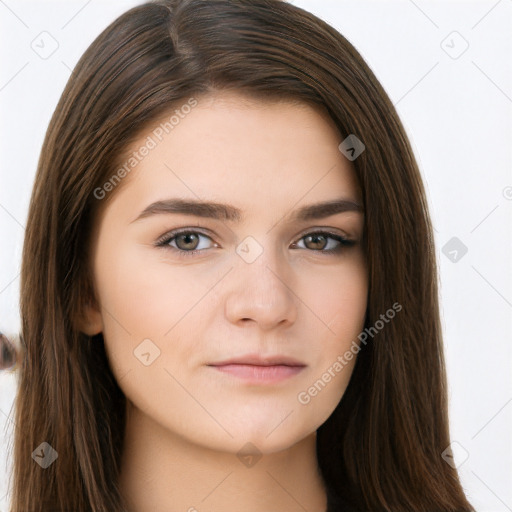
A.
x: 260, y: 374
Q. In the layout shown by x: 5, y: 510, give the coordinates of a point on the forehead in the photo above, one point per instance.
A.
x: 240, y: 149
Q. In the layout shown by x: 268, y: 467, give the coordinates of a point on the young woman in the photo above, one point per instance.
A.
x: 229, y: 293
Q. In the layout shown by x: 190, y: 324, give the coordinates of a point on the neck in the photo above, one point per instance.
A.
x: 161, y: 471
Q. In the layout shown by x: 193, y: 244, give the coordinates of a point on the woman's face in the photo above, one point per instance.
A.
x: 260, y: 289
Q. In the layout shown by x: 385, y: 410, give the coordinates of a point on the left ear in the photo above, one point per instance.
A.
x: 89, y: 319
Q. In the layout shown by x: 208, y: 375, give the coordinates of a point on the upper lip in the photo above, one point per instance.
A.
x: 260, y: 360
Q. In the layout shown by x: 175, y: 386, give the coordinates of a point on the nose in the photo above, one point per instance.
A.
x: 261, y: 292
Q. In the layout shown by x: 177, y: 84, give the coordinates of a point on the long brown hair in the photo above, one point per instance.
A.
x: 381, y: 449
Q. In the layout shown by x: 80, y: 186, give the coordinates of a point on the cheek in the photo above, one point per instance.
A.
x: 144, y: 295
x: 145, y: 299
x: 339, y: 299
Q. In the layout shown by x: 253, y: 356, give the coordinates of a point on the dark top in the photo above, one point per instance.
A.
x: 336, y: 503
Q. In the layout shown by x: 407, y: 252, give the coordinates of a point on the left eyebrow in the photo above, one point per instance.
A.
x: 230, y: 213
x: 326, y: 209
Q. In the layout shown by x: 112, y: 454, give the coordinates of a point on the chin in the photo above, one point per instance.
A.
x: 269, y: 437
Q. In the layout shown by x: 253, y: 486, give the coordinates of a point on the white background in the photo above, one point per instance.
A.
x: 457, y: 112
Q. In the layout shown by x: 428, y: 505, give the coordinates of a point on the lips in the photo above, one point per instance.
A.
x: 256, y: 369
x: 258, y: 360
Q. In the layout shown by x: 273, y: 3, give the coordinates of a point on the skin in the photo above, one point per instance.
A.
x: 188, y: 421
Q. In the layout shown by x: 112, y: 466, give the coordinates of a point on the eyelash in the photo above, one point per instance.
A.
x: 168, y: 237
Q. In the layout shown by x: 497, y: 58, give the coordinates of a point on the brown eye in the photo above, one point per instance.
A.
x: 189, y: 241
x: 324, y: 242
x: 315, y: 242
x: 186, y: 242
